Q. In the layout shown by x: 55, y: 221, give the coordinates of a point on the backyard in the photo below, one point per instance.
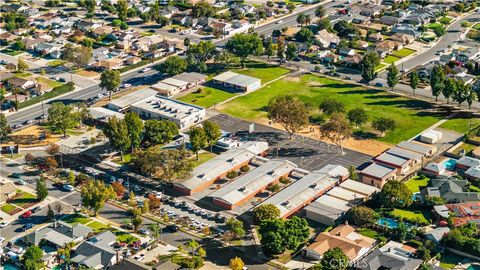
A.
x: 411, y: 116
x: 410, y: 216
x: 416, y: 183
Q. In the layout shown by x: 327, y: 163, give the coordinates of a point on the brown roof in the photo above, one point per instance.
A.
x: 343, y: 237
x: 16, y: 81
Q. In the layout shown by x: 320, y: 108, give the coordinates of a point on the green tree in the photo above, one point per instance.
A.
x: 324, y: 23
x: 278, y: 235
x: 281, y: 48
x: 290, y: 7
x: 201, y: 53
x: 110, y: 80
x: 41, y: 188
x: 265, y: 212
x: 450, y: 87
x: 471, y: 96
x: 116, y: 131
x: 135, y: 128
x: 289, y: 112
x: 4, y: 128
x: 22, y: 65
x: 198, y: 139
x: 136, y: 219
x: 88, y: 42
x: 236, y: 227
x: 362, y: 216
x: 330, y: 106
x: 336, y: 130
x: 236, y: 264
x: 383, y: 124
x: 95, y: 193
x: 461, y: 92
x: 320, y: 12
x: 344, y: 28
x: 203, y: 9
x: 159, y: 131
x: 333, y: 259
x: 437, y: 78
x: 357, y: 116
x: 414, y: 81
x: 305, y: 35
x: 395, y: 194
x: 392, y: 76
x: 122, y: 9
x: 291, y: 52
x: 174, y: 65
x: 244, y: 45
x: 32, y: 259
x: 368, y: 66
x: 164, y: 164
x: 61, y: 118
x: 212, y: 133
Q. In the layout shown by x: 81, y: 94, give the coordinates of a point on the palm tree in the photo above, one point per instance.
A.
x: 301, y: 19
x: 320, y: 12
x: 308, y: 20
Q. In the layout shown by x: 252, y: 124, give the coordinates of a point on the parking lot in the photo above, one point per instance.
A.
x: 307, y: 153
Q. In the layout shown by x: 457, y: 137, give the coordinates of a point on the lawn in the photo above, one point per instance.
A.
x: 202, y: 158
x: 369, y: 233
x: 7, y: 208
x: 380, y: 67
x: 450, y: 260
x: 461, y: 123
x: 55, y: 63
x: 433, y: 25
x: 404, y: 52
x: 49, y: 95
x: 126, y: 159
x: 207, y: 97
x: 22, y: 74
x: 410, y: 215
x: 476, y: 26
x: 125, y: 237
x: 390, y: 59
x: 262, y: 71
x: 11, y: 52
x: 468, y: 148
x: 76, y: 218
x: 411, y: 116
x: 25, y: 198
x: 416, y: 183
x: 49, y: 82
x: 97, y: 226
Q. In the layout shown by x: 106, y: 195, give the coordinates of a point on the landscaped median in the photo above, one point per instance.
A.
x: 57, y: 91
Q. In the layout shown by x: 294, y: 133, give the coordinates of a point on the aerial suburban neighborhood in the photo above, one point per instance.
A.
x: 240, y: 134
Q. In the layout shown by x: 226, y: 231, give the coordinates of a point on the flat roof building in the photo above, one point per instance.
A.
x: 182, y: 85
x: 404, y: 153
x: 101, y: 114
x: 207, y: 173
x: 165, y: 89
x: 192, y: 78
x: 402, y: 164
x: 237, y: 82
x: 250, y: 184
x: 424, y: 149
x: 183, y: 114
x: 303, y: 191
x: 359, y: 187
x: 327, y: 209
x: 377, y: 174
x: 122, y: 104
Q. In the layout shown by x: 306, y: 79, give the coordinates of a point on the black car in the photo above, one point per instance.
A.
x: 172, y: 228
x: 36, y: 209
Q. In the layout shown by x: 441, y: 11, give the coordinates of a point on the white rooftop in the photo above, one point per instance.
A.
x: 299, y: 192
x: 167, y: 107
x: 129, y: 99
x: 377, y: 170
x: 344, y: 194
x: 175, y: 82
x: 359, y: 187
x: 236, y: 79
x: 223, y: 163
x: 253, y: 181
x: 160, y: 86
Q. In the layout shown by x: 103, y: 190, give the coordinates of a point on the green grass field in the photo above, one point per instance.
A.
x: 207, y: 97
x: 476, y: 26
x: 461, y: 123
x: 76, y: 218
x: 262, y: 71
x: 468, y: 148
x: 202, y: 158
x: 390, y: 59
x: 49, y: 82
x: 21, y: 74
x: 26, y: 198
x: 125, y: 237
x: 411, y: 116
x: 406, y: 214
x: 416, y: 183
x: 369, y: 233
x: 56, y: 63
x: 403, y: 52
x: 7, y: 208
x: 11, y: 52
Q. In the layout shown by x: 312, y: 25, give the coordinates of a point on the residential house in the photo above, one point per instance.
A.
x: 21, y: 31
x: 346, y: 52
x: 45, y: 48
x: 389, y: 20
x: 182, y: 19
x: 425, y: 149
x: 327, y: 39
x: 220, y: 27
x: 31, y: 43
x: 7, y: 191
x: 434, y: 169
x: 352, y: 60
x: 388, y: 45
x: 6, y: 38
x: 392, y: 255
x: 459, y: 213
x: 376, y: 37
x: 20, y: 83
x: 452, y: 190
x: 102, y: 31
x: 406, y: 29
x: 404, y: 39
x: 353, y: 244
x: 115, y: 63
x: 132, y: 60
x: 436, y: 235
x: 97, y: 252
x: 87, y: 26
x: 40, y: 89
x: 237, y: 24
x: 466, y: 55
x: 466, y: 162
x: 58, y: 234
x: 368, y: 9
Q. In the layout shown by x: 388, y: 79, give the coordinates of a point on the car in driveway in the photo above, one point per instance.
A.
x: 4, y: 224
x: 20, y: 182
x: 68, y: 187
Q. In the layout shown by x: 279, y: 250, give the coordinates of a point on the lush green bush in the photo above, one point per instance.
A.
x: 232, y: 174
x: 244, y: 168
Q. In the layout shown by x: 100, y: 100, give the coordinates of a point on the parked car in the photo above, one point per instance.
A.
x: 172, y: 228
x: 36, y: 209
x: 68, y: 187
x: 27, y: 226
x: 15, y: 175
x: 143, y: 231
x: 4, y: 224
x: 27, y: 214
x: 126, y: 85
x: 147, y: 69
x: 379, y: 84
x: 2, y: 239
x: 20, y: 182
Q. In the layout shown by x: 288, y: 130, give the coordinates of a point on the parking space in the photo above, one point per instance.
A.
x: 307, y: 153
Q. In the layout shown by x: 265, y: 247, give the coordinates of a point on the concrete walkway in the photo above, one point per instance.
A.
x: 437, y: 124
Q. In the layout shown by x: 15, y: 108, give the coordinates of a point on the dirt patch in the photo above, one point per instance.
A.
x: 30, y: 137
x: 292, y: 79
x: 365, y: 146
x: 87, y: 73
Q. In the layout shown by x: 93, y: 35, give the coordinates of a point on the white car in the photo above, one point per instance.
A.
x: 4, y: 224
x: 147, y: 69
x: 2, y: 239
x: 279, y: 22
x: 68, y: 187
x: 126, y: 85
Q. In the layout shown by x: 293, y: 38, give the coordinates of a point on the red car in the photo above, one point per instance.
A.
x: 27, y: 214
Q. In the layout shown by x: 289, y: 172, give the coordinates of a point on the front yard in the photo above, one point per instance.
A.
x: 416, y: 183
x: 48, y: 82
x: 24, y: 198
x: 77, y: 218
x: 390, y: 59
x: 403, y: 52
x: 10, y: 209
x: 411, y: 116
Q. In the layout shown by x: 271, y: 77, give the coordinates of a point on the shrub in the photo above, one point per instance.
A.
x: 285, y: 180
x: 232, y: 174
x: 244, y: 168
x: 273, y: 188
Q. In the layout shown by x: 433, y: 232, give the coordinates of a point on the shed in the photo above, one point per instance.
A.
x: 431, y: 136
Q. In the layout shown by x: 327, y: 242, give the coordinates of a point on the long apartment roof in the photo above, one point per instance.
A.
x: 254, y: 180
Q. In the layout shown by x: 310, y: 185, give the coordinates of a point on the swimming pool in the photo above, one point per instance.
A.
x: 391, y: 223
x: 450, y: 164
x: 10, y: 267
